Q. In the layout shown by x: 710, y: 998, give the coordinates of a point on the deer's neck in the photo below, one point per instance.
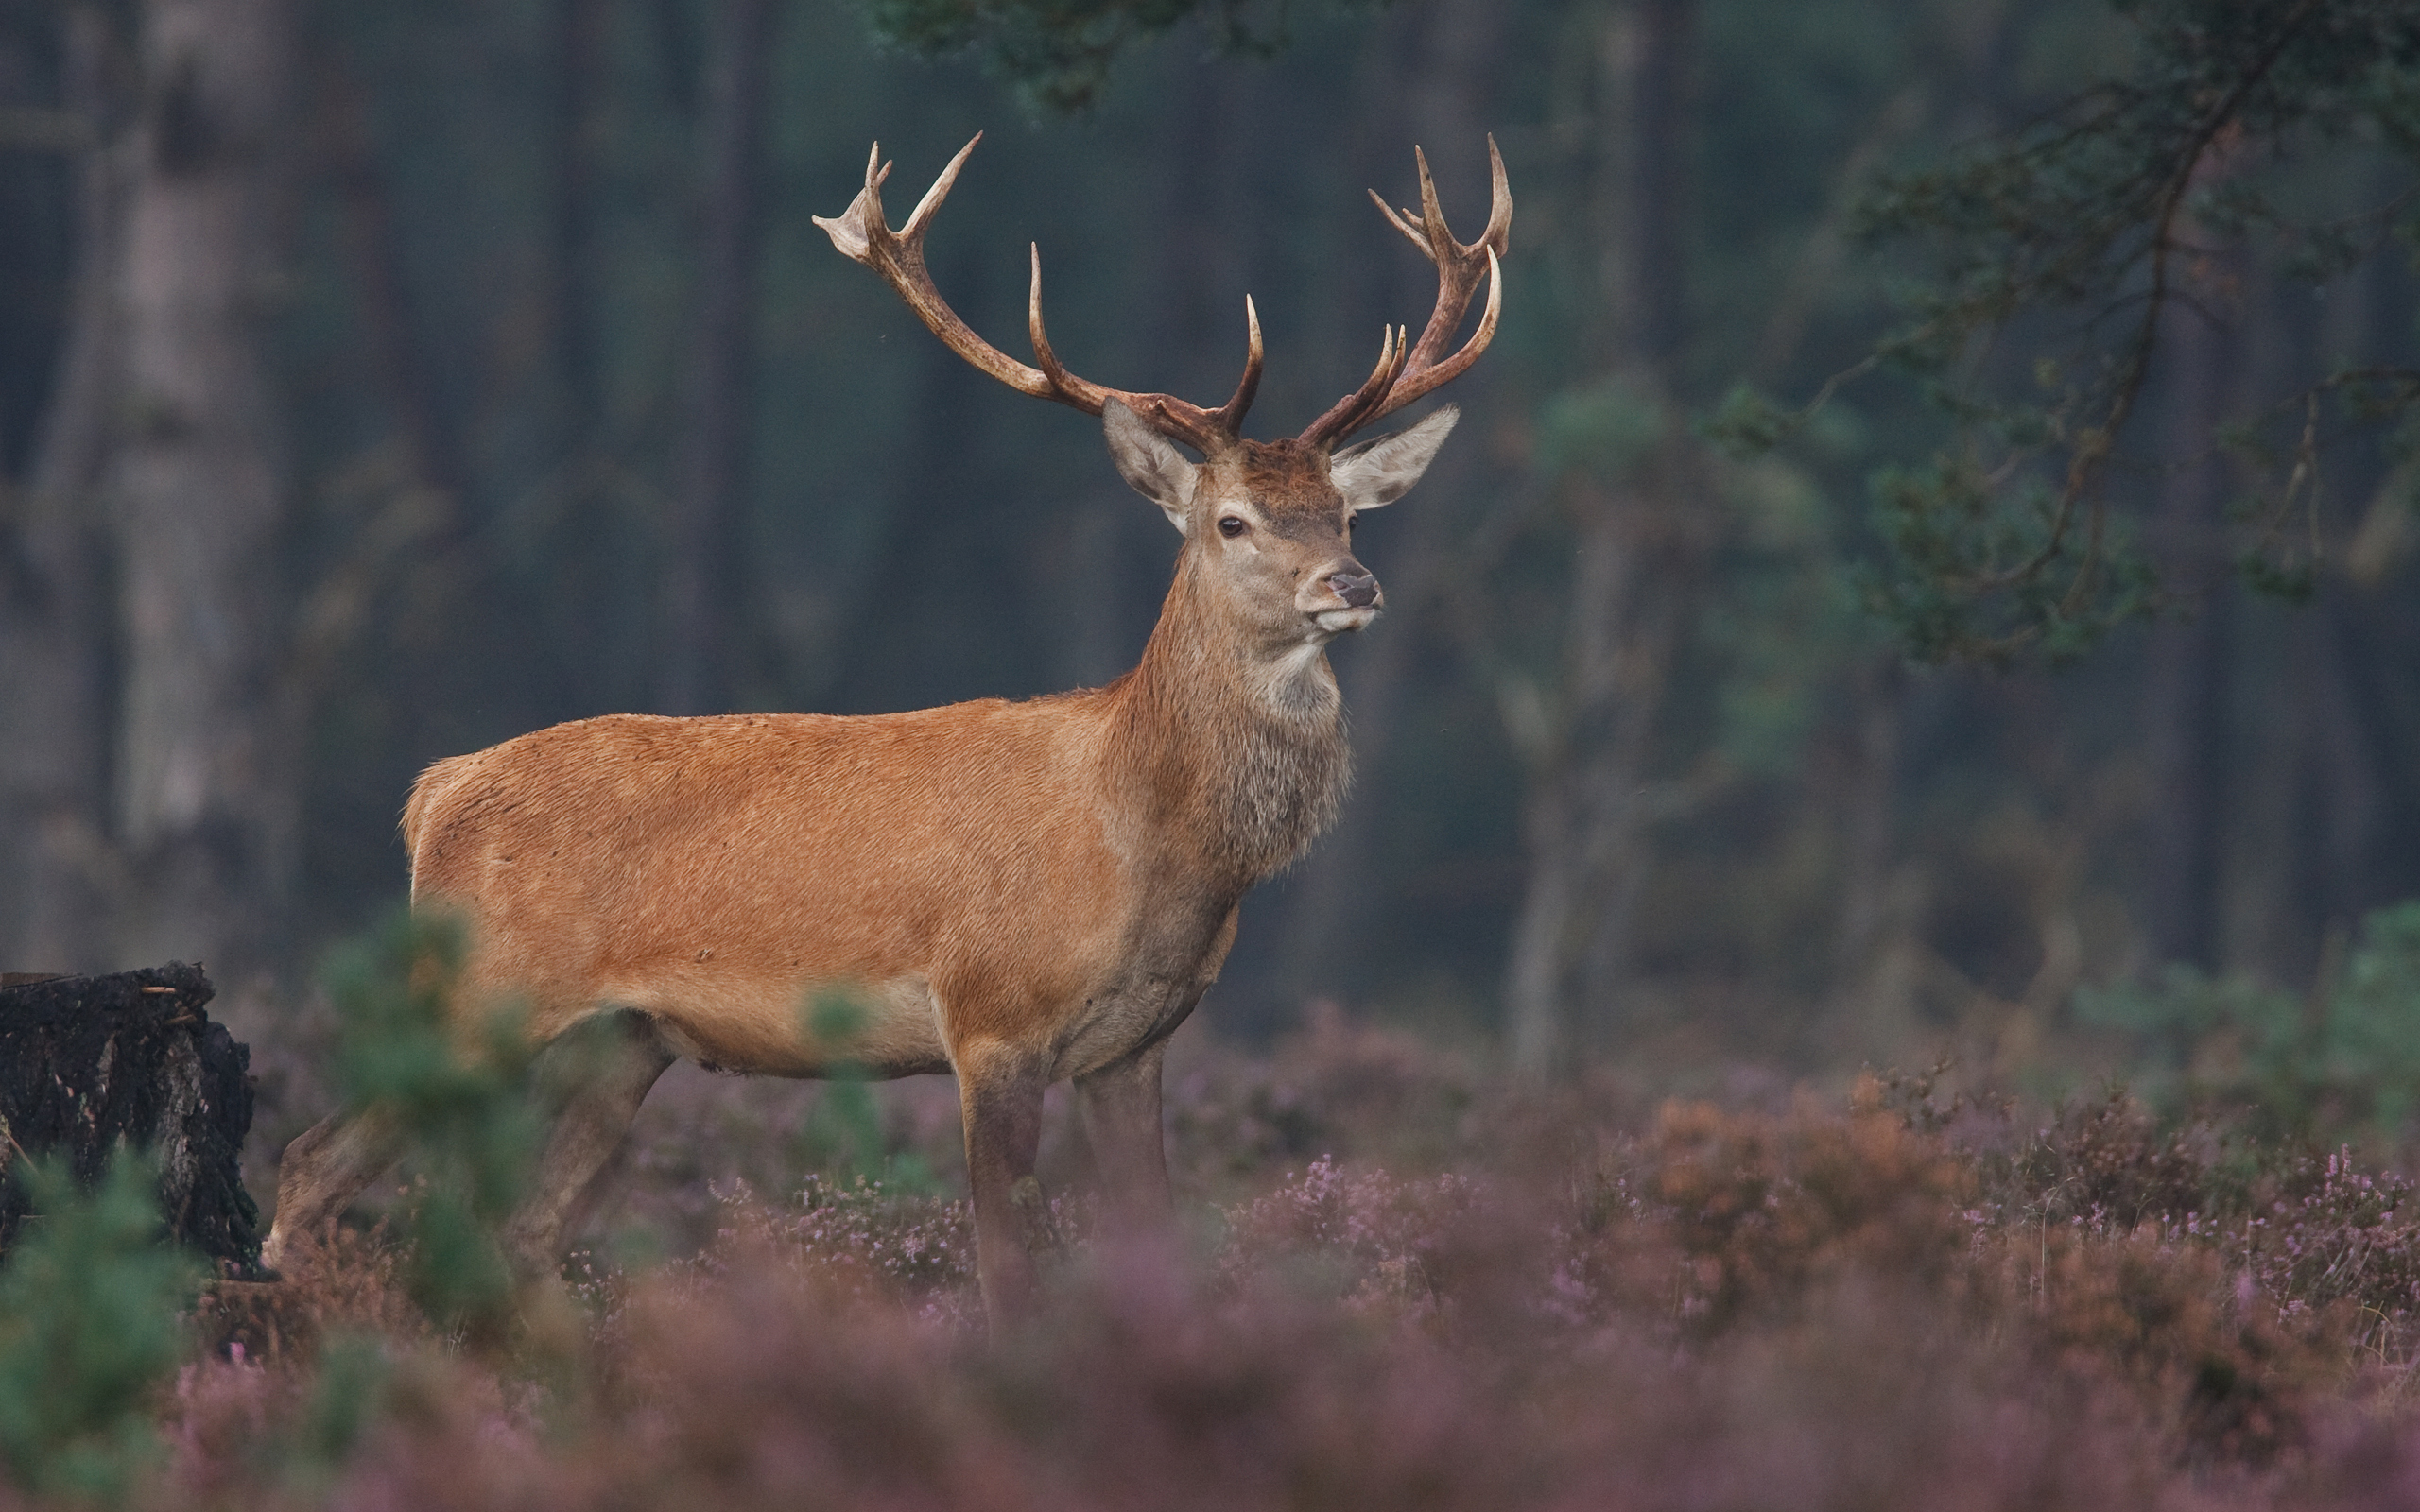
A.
x: 1234, y: 754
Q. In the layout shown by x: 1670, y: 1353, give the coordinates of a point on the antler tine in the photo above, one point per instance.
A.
x: 1500, y: 202
x: 1432, y: 218
x: 1230, y: 415
x: 1401, y: 220
x: 1059, y: 376
x: 1424, y: 230
x: 1353, y: 410
x: 1420, y: 370
x: 914, y: 230
x: 863, y: 236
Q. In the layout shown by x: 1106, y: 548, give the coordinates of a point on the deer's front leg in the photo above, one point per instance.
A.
x: 1001, y: 1100
x: 1120, y: 1105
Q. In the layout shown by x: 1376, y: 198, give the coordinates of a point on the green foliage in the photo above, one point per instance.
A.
x: 2120, y: 204
x: 1747, y: 423
x: 1981, y: 572
x: 90, y: 1330
x: 1790, y: 628
x: 2374, y: 1016
x: 2345, y: 1064
x: 461, y: 1096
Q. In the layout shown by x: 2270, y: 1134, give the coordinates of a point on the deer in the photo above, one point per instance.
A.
x: 1014, y: 893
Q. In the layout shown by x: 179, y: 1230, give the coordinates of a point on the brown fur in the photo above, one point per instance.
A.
x: 1018, y: 892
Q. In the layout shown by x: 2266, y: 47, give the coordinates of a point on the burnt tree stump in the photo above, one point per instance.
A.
x: 90, y: 1065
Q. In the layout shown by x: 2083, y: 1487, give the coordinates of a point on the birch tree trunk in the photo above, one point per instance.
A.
x: 1639, y: 545
x: 56, y: 894
x: 206, y: 803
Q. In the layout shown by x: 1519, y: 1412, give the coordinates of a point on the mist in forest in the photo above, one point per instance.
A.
x: 379, y: 381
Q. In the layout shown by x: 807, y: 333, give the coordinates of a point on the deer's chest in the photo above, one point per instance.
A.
x: 1246, y: 801
x: 1172, y: 956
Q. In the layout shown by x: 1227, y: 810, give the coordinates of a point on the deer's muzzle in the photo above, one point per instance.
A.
x: 1359, y: 591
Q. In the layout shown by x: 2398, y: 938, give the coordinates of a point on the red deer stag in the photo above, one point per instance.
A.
x: 1016, y: 892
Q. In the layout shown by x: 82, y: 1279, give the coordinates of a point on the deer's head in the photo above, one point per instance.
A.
x: 1267, y: 524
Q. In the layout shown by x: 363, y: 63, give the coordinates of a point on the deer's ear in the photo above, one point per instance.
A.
x: 1157, y: 470
x: 1382, y: 470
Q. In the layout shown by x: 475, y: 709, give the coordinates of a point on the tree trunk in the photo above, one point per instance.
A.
x: 1868, y: 822
x: 373, y: 254
x: 1639, y: 552
x: 1653, y: 559
x: 208, y: 739
x: 2186, y: 663
x: 703, y: 577
x: 56, y: 897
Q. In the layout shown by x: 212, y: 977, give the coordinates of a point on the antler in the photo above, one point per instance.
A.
x: 862, y: 235
x: 1403, y: 375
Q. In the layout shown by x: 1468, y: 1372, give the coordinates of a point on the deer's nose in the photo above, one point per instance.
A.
x: 1357, y: 590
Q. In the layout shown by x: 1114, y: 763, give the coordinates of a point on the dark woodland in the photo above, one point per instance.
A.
x: 494, y: 376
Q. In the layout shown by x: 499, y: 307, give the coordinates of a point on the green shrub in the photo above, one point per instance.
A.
x: 470, y: 1128
x: 2342, y: 1064
x: 91, y: 1327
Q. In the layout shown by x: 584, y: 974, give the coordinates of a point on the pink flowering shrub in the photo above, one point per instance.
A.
x: 2333, y: 1233
x: 1334, y: 1087
x: 1902, y: 1303
x: 1370, y: 1239
x: 857, y: 1236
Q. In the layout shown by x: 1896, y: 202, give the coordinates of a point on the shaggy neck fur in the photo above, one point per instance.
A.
x: 1239, y: 749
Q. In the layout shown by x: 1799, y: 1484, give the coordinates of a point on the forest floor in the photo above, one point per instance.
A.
x: 1400, y: 1283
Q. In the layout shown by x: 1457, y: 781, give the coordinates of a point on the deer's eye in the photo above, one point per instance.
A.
x: 1231, y: 525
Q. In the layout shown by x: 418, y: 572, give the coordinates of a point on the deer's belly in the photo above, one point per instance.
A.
x: 792, y: 1028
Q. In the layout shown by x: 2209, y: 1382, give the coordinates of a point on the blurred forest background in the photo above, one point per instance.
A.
x: 380, y: 380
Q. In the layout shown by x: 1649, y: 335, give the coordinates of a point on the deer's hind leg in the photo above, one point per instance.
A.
x: 590, y: 1082
x: 324, y: 1169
